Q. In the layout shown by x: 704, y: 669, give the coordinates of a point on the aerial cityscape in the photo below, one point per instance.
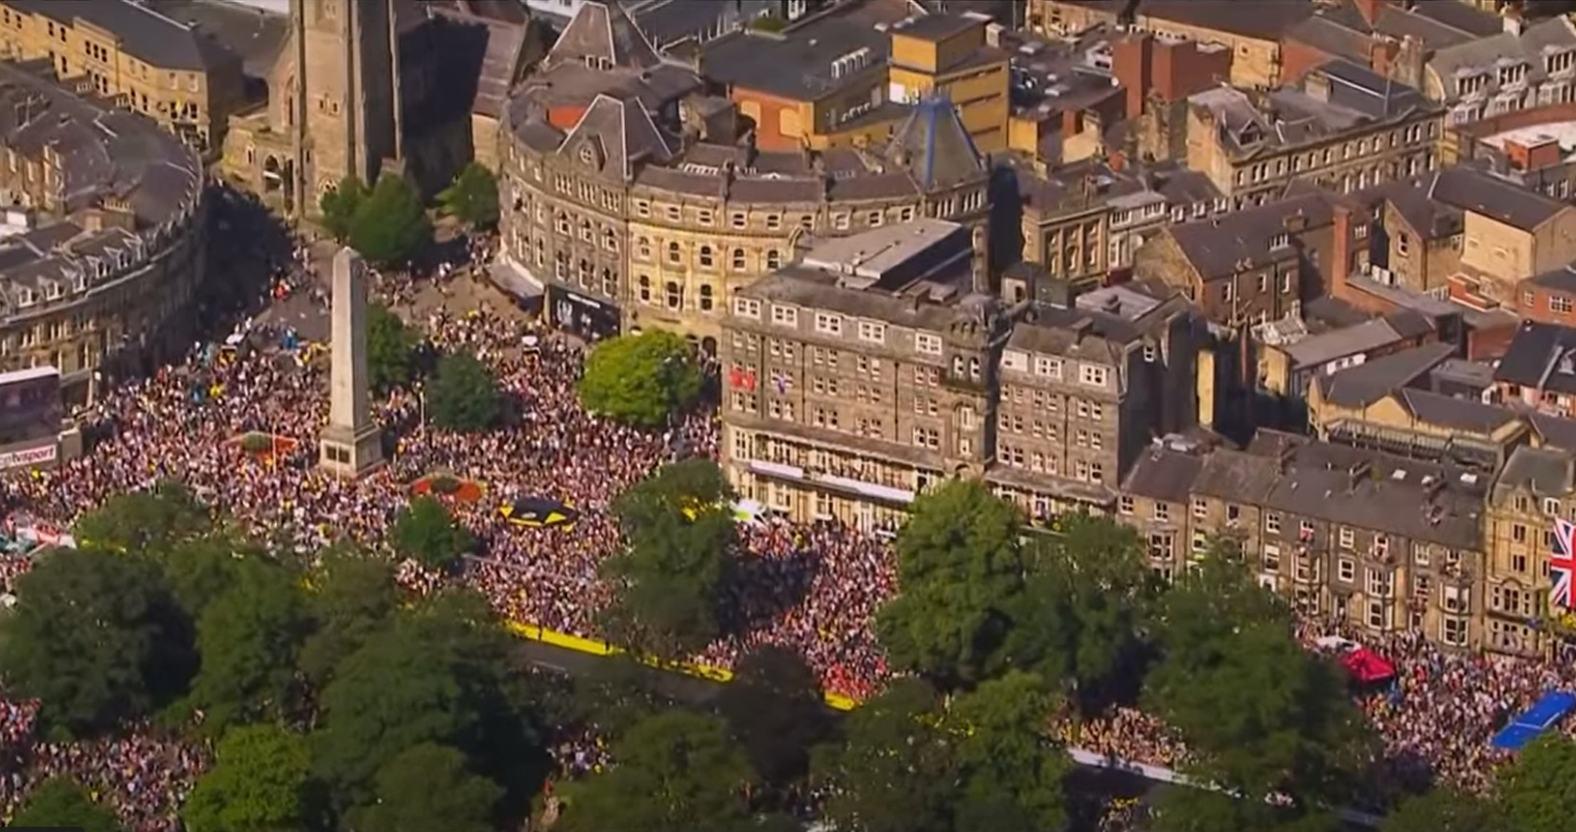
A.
x: 788, y: 415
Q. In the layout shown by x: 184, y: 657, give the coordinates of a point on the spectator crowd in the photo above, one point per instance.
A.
x: 814, y: 588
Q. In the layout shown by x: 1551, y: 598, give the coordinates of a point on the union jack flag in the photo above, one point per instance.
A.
x: 1562, y: 565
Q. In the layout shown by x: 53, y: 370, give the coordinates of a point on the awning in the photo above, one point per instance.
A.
x: 1543, y: 715
x: 1367, y: 667
x: 515, y: 279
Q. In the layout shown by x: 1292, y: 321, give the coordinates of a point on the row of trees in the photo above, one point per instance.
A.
x: 387, y: 222
x: 335, y: 701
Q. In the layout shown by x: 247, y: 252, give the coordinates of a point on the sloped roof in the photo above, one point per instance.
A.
x: 1215, y: 246
x: 1499, y: 199
x: 1371, y: 381
x: 602, y: 33
x: 143, y: 32
x: 1540, y: 356
x: 617, y: 134
x: 935, y: 147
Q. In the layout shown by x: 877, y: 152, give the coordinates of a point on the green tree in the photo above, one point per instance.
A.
x: 1078, y: 620
x: 248, y: 640
x: 1443, y: 810
x: 143, y: 522
x: 677, y: 771
x: 894, y: 771
x: 680, y: 533
x: 463, y: 395
x: 60, y: 802
x: 390, y: 225
x: 641, y: 379
x: 391, y: 349
x: 97, y: 637
x: 1538, y: 789
x: 1264, y: 715
x: 257, y: 784
x: 200, y: 570
x: 443, y: 673
x: 339, y: 206
x: 775, y: 710
x: 472, y: 197
x: 1186, y: 809
x: 351, y: 600
x: 1011, y: 773
x: 425, y: 531
x: 960, y: 564
x: 429, y: 787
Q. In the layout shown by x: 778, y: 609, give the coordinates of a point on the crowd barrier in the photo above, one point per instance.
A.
x: 594, y: 647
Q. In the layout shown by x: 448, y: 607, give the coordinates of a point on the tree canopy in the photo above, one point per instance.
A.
x: 1538, y: 789
x: 391, y: 349
x: 258, y: 784
x: 677, y: 771
x: 472, y: 197
x: 389, y: 224
x: 60, y: 802
x: 339, y: 206
x: 960, y: 563
x: 680, y: 533
x: 425, y: 531
x: 641, y: 379
x: 353, y: 597
x: 97, y: 637
x: 426, y: 787
x: 143, y: 522
x: 463, y: 395
x: 774, y: 709
x: 248, y: 640
x: 1443, y: 810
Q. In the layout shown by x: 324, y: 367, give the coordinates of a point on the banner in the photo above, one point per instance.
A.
x: 29, y: 456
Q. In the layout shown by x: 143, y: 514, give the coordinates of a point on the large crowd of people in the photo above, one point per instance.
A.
x: 812, y: 588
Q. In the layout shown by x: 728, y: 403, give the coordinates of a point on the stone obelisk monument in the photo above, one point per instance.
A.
x: 351, y: 444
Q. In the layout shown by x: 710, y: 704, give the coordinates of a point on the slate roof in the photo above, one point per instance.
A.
x: 623, y: 133
x: 1451, y: 412
x: 1499, y: 199
x: 1544, y: 471
x: 603, y: 32
x: 796, y: 64
x: 1562, y: 279
x: 501, y: 64
x: 934, y: 146
x: 1371, y: 381
x: 1540, y: 356
x: 1554, y: 431
x: 143, y: 32
x: 1215, y: 246
x: 1266, y: 21
x: 1449, y: 65
x: 1353, y: 340
x: 1163, y: 474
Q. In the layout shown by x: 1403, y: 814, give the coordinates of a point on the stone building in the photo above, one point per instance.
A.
x: 1380, y: 542
x: 1536, y: 486
x: 1520, y: 68
x: 1394, y: 38
x: 1083, y: 389
x: 875, y: 367
x: 860, y: 375
x: 1255, y: 265
x: 629, y: 198
x: 126, y: 52
x: 105, y: 241
x: 942, y: 54
x: 1347, y: 129
x: 377, y: 85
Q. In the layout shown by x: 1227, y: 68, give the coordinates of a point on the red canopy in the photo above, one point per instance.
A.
x: 1366, y: 666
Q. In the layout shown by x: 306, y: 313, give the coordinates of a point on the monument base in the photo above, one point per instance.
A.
x: 350, y: 454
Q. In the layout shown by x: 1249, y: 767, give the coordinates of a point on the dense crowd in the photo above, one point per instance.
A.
x: 813, y: 588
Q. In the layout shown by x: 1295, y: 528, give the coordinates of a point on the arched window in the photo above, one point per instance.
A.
x: 608, y: 241
x: 705, y: 257
x: 957, y: 365
x: 645, y: 288
x: 675, y: 295
x: 674, y: 256
x: 585, y: 273
x: 738, y: 259
x: 644, y: 247
x: 774, y: 260
x: 705, y: 297
x: 974, y: 368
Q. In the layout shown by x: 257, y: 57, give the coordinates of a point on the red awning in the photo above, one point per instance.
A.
x: 1366, y: 666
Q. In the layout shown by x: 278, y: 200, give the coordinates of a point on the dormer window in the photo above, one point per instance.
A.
x: 24, y: 297
x: 1280, y: 241
x: 1561, y: 61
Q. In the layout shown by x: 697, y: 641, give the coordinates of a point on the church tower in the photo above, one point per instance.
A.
x: 347, y: 91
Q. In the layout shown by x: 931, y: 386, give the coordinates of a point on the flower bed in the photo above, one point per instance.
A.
x: 449, y: 486
x: 265, y: 446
